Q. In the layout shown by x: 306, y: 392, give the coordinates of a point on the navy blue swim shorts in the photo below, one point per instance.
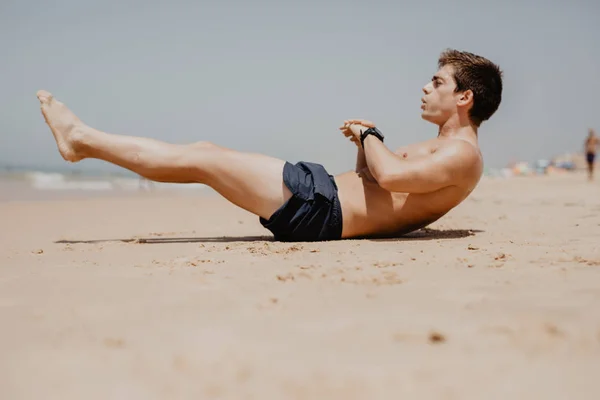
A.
x: 313, y: 213
x: 590, y: 157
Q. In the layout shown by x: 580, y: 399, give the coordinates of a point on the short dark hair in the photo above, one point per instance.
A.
x: 481, y: 76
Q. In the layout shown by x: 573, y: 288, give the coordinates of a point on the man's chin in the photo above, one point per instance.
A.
x: 426, y: 117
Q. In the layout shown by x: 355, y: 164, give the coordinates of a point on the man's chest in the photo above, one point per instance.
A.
x: 417, y: 150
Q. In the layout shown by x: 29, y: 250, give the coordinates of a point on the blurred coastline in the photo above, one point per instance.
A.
x: 41, y: 184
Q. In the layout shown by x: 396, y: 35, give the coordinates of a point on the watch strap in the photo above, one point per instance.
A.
x: 371, y: 131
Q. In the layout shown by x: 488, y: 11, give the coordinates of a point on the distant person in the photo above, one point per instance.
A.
x: 591, y: 144
x: 389, y: 193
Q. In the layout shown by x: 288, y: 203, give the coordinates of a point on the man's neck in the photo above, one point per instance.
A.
x: 458, y: 127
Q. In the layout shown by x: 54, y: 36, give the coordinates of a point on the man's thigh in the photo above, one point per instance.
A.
x: 251, y: 181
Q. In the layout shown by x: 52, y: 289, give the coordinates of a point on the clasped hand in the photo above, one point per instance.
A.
x: 352, y: 129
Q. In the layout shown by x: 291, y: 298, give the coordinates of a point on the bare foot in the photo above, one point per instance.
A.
x: 65, y: 126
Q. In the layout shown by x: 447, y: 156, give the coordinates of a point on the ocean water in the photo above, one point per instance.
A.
x: 40, y: 185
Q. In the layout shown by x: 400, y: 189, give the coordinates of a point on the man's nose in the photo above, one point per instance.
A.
x: 426, y: 89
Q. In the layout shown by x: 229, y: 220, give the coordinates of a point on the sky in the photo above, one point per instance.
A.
x: 279, y: 77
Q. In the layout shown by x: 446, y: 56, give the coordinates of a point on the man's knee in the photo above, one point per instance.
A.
x: 203, y: 146
x: 201, y: 158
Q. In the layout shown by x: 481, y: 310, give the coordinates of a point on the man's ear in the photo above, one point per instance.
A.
x: 465, y: 98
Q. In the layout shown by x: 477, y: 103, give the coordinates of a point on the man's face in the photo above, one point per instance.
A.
x: 440, y: 100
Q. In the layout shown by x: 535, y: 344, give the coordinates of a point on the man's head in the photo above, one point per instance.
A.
x: 466, y: 85
x: 591, y: 133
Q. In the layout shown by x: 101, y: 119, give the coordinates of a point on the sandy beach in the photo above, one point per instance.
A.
x: 164, y: 296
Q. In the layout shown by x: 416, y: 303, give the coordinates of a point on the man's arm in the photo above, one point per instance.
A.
x: 361, y: 166
x: 361, y: 161
x: 441, y: 169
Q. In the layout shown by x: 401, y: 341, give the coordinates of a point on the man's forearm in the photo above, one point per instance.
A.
x: 390, y: 172
x: 361, y: 162
x: 378, y: 157
x: 361, y: 166
x: 423, y: 175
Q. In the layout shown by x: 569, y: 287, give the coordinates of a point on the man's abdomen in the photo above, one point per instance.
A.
x: 369, y: 210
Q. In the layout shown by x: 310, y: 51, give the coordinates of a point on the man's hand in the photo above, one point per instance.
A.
x: 352, y: 129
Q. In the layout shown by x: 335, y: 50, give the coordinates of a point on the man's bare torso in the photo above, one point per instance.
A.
x: 591, y: 144
x: 369, y: 210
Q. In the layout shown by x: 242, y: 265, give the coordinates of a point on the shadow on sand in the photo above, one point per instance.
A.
x: 429, y: 234
x: 422, y: 234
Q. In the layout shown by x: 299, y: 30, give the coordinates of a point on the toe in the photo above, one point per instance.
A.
x: 44, y: 96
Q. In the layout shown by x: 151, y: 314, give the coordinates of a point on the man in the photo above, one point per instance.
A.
x: 389, y: 193
x: 591, y: 143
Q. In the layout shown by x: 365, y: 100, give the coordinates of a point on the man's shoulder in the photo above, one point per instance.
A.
x: 464, y: 159
x: 459, y: 148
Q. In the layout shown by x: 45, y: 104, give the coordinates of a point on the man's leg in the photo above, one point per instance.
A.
x: 253, y: 182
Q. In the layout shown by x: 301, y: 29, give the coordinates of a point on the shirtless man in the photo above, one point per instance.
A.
x: 389, y: 193
x: 591, y: 143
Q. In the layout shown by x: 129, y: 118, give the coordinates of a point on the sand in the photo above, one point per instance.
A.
x: 168, y: 297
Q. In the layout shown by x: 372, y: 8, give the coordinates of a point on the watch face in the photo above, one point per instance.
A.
x: 371, y: 131
x: 375, y: 132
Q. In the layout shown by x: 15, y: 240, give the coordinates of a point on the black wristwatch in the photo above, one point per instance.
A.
x: 371, y: 131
